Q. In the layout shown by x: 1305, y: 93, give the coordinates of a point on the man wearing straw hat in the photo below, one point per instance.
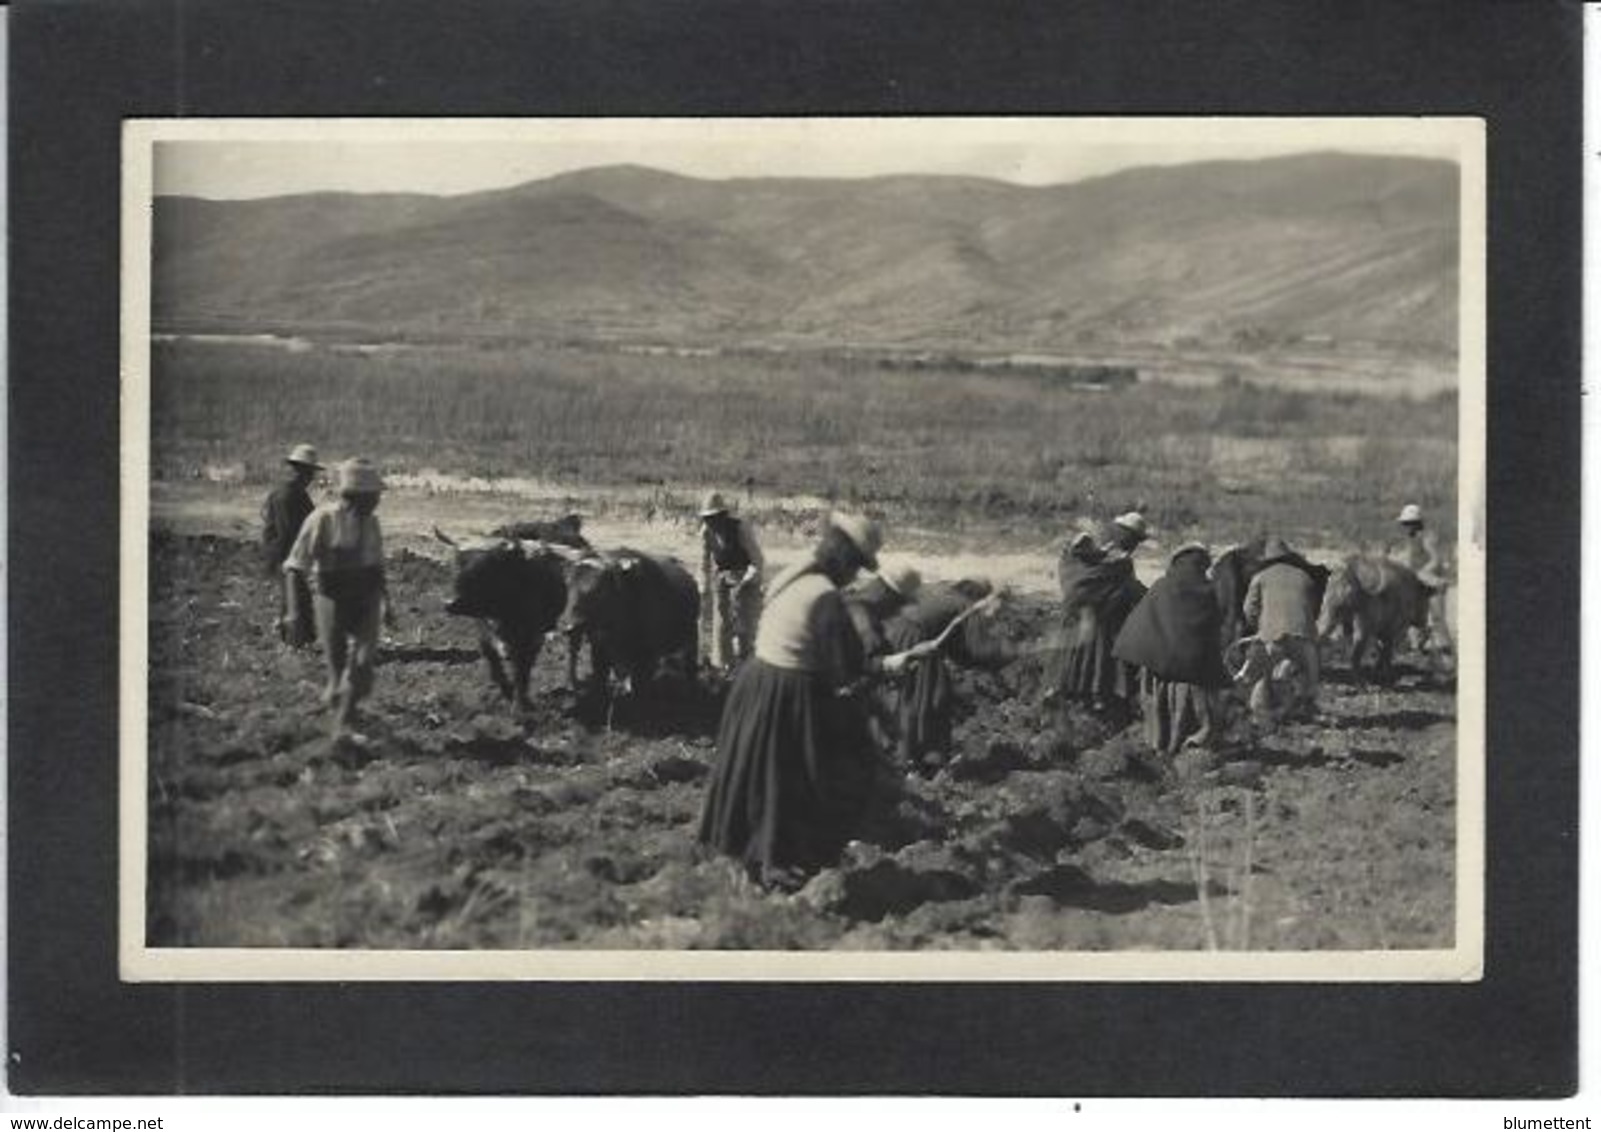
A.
x: 340, y: 550
x: 1420, y: 551
x: 1281, y: 607
x: 731, y: 580
x: 282, y: 514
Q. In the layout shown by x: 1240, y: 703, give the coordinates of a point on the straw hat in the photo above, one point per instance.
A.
x: 1134, y: 523
x: 1411, y: 513
x: 713, y: 504
x: 1274, y: 547
x: 304, y: 455
x: 903, y: 579
x: 862, y: 531
x: 1191, y: 547
x: 357, y: 476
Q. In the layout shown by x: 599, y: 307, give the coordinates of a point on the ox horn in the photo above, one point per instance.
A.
x: 446, y: 539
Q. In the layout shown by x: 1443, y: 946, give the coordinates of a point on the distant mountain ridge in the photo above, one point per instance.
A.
x: 1327, y: 246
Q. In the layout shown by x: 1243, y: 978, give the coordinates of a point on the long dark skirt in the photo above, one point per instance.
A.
x: 793, y: 773
x: 924, y: 702
x: 1090, y: 674
x: 1178, y: 714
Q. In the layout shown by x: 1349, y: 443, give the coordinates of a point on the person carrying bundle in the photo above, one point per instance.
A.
x: 1099, y: 590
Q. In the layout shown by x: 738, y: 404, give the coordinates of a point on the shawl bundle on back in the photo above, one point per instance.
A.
x: 1108, y: 588
x: 1173, y: 632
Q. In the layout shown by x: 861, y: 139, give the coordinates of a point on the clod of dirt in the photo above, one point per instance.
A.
x: 1055, y: 816
x: 870, y: 886
x: 1142, y: 832
x: 677, y: 768
x: 1242, y: 772
x: 999, y: 758
x: 1062, y: 883
x: 1193, y: 764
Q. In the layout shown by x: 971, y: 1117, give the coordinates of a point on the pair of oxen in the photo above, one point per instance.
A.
x: 639, y: 613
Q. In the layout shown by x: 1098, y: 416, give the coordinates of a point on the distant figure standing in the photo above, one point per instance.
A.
x: 731, y: 580
x: 1172, y: 636
x: 340, y: 550
x: 1281, y: 607
x: 282, y: 513
x: 1420, y: 552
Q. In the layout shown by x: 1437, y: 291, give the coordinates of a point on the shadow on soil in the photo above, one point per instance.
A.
x: 1072, y: 887
x: 1408, y: 719
x: 426, y: 654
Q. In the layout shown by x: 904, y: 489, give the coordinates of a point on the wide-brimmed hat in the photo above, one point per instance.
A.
x: 1274, y: 547
x: 713, y: 504
x: 357, y: 476
x: 1134, y: 523
x: 903, y: 579
x: 862, y: 532
x: 1411, y: 513
x: 304, y: 455
x: 1191, y: 547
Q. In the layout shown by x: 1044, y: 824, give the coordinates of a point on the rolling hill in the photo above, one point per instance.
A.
x: 1343, y: 247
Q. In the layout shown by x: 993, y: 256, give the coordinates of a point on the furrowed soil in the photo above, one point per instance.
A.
x: 462, y: 826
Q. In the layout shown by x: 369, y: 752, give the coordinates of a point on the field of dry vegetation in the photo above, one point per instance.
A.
x: 949, y: 449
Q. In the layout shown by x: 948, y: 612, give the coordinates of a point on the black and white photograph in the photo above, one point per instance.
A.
x: 803, y: 548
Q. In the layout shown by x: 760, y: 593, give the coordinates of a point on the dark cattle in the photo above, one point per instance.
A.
x: 638, y: 611
x: 516, y: 591
x: 565, y: 531
x: 1231, y: 577
x: 1372, y: 599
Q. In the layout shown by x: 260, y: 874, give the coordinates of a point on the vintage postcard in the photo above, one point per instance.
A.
x: 803, y: 549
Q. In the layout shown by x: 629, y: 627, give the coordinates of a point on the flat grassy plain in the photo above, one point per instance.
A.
x: 1010, y: 453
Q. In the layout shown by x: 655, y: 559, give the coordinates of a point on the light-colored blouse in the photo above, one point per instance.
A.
x: 805, y: 628
x: 336, y: 538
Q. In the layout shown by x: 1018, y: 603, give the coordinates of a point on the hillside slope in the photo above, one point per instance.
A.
x: 1340, y: 246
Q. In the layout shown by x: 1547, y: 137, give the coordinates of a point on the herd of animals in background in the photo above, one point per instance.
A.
x: 839, y: 653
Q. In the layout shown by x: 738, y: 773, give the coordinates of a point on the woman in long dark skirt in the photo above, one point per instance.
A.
x: 794, y: 769
x: 1172, y: 636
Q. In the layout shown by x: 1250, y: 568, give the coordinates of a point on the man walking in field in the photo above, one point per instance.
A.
x: 340, y: 550
x: 731, y: 580
x: 282, y: 513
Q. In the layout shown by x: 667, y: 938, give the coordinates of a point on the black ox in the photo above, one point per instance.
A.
x: 516, y: 590
x: 639, y: 612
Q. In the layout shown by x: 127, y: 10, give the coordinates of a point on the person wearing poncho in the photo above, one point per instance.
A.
x: 1172, y: 637
x: 794, y: 769
x: 1099, y: 590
